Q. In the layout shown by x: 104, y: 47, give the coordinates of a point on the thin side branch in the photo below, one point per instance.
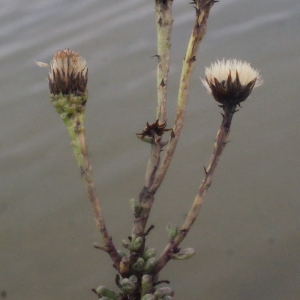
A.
x: 219, y: 146
x: 77, y: 133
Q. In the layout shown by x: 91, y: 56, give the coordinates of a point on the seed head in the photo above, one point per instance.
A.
x: 231, y: 82
x: 68, y: 73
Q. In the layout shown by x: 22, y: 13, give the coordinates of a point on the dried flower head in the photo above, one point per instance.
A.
x: 67, y: 81
x: 68, y: 73
x: 231, y: 82
x: 154, y: 129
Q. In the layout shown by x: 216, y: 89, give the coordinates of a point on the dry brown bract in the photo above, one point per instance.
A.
x: 154, y: 129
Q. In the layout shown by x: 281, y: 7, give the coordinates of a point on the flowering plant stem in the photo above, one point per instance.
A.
x: 230, y: 83
x: 155, y: 172
x: 220, y: 143
x: 199, y: 30
x: 164, y: 21
x: 75, y: 126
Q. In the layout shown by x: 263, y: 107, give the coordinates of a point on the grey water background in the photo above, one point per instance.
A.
x: 247, y: 236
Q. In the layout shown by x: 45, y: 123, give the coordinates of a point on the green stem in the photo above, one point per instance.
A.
x: 164, y: 21
x: 75, y: 126
x: 219, y: 146
x: 145, y: 199
x: 202, y: 12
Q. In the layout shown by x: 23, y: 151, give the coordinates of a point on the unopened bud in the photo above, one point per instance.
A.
x: 125, y: 244
x: 149, y: 297
x: 134, y: 205
x: 121, y: 254
x: 172, y: 231
x: 150, y: 264
x: 183, y: 254
x: 163, y: 292
x: 103, y: 291
x: 151, y: 252
x: 147, y: 284
x: 139, y: 265
x: 124, y: 266
x: 137, y: 243
x: 128, y: 286
x: 133, y: 278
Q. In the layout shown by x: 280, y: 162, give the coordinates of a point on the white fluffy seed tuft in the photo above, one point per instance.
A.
x: 221, y: 69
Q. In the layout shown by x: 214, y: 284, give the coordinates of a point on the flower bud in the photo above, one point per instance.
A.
x: 149, y: 297
x: 125, y: 244
x: 121, y: 254
x: 147, y: 284
x: 151, y: 252
x: 124, y: 266
x: 133, y: 204
x: 172, y: 231
x: 137, y: 243
x: 183, y: 254
x: 139, y: 265
x: 133, y: 278
x: 103, y: 291
x: 163, y: 292
x: 128, y: 286
x: 150, y: 264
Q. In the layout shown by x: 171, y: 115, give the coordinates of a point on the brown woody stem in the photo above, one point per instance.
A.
x: 76, y: 130
x: 145, y: 198
x: 219, y: 146
x: 202, y: 12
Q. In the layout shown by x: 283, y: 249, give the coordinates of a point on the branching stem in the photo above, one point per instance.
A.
x: 164, y: 21
x: 202, y: 12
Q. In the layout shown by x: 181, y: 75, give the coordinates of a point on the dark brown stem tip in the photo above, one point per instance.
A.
x: 148, y: 230
x: 160, y: 282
